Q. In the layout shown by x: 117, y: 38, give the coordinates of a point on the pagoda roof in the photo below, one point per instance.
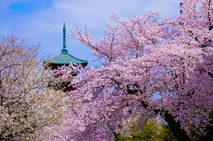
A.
x: 65, y: 58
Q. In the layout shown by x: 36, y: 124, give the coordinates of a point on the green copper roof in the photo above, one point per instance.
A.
x: 65, y: 58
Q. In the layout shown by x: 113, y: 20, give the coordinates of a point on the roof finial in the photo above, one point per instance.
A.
x: 64, y: 50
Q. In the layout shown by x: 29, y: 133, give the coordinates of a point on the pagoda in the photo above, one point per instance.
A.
x: 65, y: 58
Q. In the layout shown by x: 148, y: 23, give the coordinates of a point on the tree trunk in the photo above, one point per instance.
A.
x: 174, y: 127
x: 209, y: 134
x: 181, y: 135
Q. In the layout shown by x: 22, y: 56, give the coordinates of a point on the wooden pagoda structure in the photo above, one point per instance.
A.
x: 64, y: 59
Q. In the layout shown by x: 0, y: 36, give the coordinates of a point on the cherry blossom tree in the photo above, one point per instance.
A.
x: 150, y: 64
x: 26, y: 103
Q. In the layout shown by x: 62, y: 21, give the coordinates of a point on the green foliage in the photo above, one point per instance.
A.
x: 211, y: 114
x: 152, y: 130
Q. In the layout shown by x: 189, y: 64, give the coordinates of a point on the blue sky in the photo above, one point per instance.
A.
x: 42, y: 20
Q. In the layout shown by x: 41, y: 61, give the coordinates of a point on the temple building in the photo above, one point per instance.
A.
x: 64, y: 58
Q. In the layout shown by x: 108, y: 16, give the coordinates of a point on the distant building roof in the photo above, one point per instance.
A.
x: 65, y: 58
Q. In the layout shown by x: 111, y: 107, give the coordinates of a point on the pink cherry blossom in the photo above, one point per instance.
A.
x: 150, y: 65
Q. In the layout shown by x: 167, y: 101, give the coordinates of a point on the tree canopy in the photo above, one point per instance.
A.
x: 163, y: 66
x: 26, y: 103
